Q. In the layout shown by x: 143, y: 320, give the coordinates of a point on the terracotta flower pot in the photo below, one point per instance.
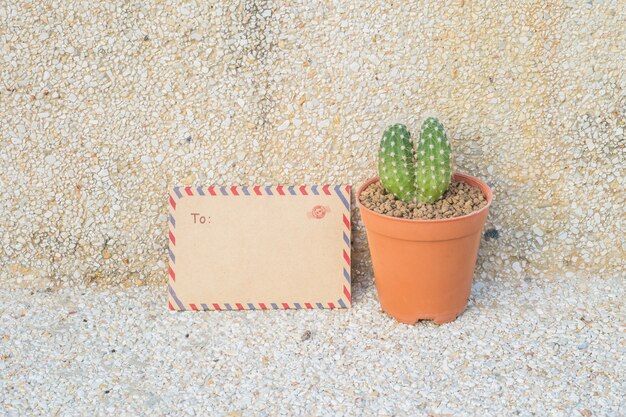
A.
x: 423, y: 269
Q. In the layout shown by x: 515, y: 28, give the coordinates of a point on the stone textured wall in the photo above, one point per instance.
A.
x: 104, y: 105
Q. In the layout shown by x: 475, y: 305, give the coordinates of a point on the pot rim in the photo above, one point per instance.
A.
x: 484, y: 188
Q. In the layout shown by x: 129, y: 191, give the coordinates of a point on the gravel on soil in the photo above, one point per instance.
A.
x: 459, y: 200
x: 548, y: 348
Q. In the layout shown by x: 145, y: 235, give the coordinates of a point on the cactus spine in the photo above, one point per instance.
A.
x: 434, y: 165
x: 395, y: 162
x: 421, y: 176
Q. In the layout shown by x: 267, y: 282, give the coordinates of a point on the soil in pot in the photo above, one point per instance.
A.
x: 460, y: 199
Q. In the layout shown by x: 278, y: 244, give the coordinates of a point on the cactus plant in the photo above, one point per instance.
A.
x: 396, y: 168
x: 434, y: 165
x: 421, y: 176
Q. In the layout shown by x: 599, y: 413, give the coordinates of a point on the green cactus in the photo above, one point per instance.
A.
x: 423, y: 176
x: 434, y: 164
x: 395, y: 162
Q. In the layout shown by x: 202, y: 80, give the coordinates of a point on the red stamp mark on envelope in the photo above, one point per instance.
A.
x: 318, y: 212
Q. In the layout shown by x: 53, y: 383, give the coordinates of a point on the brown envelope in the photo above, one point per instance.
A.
x: 259, y: 247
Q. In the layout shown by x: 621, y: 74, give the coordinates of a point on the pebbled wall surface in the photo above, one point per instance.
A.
x: 104, y: 105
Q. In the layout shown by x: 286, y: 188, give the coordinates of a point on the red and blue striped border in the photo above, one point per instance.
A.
x: 179, y: 192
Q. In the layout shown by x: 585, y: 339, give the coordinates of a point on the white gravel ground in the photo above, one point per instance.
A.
x: 551, y: 348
